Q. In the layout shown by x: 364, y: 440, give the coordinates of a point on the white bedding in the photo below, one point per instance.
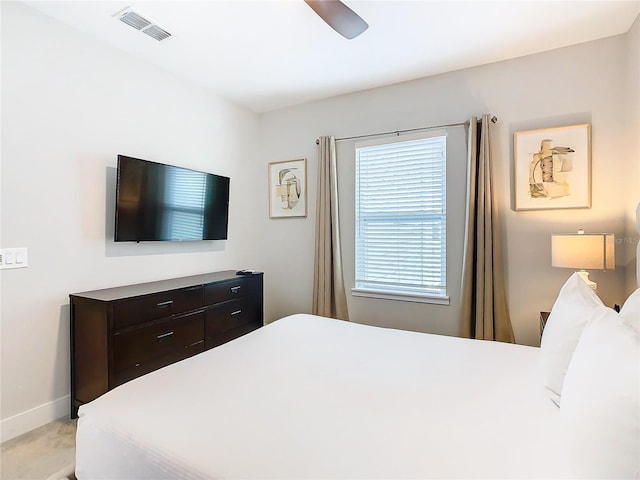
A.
x: 309, y: 397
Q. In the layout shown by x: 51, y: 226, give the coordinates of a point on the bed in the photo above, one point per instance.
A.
x: 311, y: 397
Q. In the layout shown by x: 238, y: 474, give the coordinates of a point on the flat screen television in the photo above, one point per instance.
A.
x: 158, y: 202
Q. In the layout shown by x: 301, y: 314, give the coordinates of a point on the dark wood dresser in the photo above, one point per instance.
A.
x: 118, y: 334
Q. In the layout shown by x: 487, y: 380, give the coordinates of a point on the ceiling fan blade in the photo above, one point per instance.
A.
x: 339, y: 17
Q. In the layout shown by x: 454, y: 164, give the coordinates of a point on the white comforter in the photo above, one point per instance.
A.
x: 309, y: 397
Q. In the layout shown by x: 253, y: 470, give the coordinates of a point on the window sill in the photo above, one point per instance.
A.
x: 402, y: 297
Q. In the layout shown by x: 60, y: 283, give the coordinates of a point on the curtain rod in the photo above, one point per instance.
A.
x: 494, y: 119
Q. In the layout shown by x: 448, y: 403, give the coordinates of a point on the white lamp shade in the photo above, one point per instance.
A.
x: 588, y: 251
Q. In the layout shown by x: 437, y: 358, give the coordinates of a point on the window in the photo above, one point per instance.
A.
x: 401, y: 219
x: 184, y: 198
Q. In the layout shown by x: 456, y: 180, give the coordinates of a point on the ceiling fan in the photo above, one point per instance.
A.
x: 339, y: 17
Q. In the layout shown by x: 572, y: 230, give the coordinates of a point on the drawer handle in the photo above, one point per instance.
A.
x: 194, y: 344
x: 164, y: 337
x: 166, y: 304
x: 237, y: 312
x: 235, y: 289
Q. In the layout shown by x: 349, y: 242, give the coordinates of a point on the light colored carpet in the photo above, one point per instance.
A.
x: 46, y: 453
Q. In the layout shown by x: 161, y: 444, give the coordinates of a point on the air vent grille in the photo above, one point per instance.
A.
x: 134, y: 20
x: 156, y: 32
x: 137, y: 21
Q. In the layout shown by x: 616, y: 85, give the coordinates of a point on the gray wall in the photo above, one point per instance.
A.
x: 586, y: 83
x: 70, y: 104
x: 632, y: 103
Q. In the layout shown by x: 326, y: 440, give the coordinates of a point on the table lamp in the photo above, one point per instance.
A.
x: 583, y: 251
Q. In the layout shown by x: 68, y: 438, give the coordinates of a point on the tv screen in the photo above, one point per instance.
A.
x: 157, y: 202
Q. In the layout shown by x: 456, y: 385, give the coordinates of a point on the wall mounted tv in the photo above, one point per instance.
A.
x: 158, y: 202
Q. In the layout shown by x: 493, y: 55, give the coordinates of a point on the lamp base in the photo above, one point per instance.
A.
x: 585, y: 276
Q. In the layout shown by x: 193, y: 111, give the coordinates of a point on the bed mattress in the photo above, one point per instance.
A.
x: 310, y: 397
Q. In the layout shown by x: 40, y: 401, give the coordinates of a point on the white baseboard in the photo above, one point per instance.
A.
x: 31, y: 419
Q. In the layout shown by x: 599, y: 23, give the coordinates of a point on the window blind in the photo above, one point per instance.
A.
x: 185, y: 193
x: 401, y: 217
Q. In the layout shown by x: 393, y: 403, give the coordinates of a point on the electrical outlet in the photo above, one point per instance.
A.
x: 13, y: 258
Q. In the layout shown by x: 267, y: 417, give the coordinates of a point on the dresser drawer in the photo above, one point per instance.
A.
x: 146, y: 343
x: 158, y: 305
x: 227, y: 316
x: 225, y: 291
x: 156, y: 363
x: 224, y: 337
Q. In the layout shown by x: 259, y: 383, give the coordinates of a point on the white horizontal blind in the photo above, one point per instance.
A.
x: 401, y: 217
x: 185, y: 193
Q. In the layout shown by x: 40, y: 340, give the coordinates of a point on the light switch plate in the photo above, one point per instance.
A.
x: 13, y: 258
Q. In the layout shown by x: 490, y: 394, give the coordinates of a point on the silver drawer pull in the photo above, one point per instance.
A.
x: 237, y: 312
x: 168, y: 303
x: 164, y: 337
x: 235, y: 289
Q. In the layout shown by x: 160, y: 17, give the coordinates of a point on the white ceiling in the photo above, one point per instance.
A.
x: 268, y: 54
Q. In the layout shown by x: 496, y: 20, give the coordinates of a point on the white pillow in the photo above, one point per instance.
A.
x: 569, y: 315
x: 631, y: 310
x: 600, y: 412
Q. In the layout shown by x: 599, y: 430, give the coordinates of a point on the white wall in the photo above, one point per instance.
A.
x: 579, y: 84
x: 70, y: 104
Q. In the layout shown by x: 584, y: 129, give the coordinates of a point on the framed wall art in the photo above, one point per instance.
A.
x: 552, y: 168
x: 288, y: 189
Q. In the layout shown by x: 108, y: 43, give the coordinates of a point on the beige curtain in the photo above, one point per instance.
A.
x: 484, y: 307
x: 329, y: 298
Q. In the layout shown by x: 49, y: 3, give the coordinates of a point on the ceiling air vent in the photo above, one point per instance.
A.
x: 137, y: 21
x: 156, y: 32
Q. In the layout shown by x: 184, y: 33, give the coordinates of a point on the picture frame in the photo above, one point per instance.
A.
x: 288, y: 189
x: 552, y: 168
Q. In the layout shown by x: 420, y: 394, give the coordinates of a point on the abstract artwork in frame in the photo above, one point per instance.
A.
x: 288, y: 189
x: 552, y: 168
